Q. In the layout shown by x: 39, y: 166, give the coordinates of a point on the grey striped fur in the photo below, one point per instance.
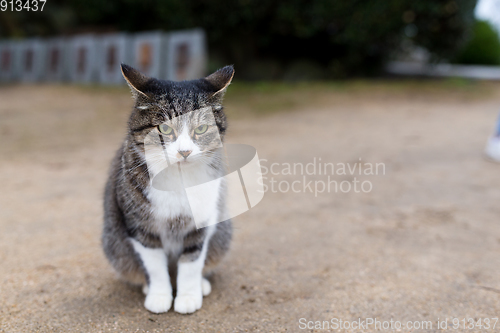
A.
x: 127, y: 209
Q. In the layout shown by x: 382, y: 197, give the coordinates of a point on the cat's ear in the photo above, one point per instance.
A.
x: 135, y: 79
x: 220, y: 80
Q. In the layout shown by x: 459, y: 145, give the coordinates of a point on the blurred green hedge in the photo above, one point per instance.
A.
x: 483, y: 48
x: 272, y: 38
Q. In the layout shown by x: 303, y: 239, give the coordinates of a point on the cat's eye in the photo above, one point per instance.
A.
x: 165, y: 129
x: 201, y: 129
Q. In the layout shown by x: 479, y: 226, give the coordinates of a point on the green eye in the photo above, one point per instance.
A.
x: 165, y: 129
x: 201, y: 129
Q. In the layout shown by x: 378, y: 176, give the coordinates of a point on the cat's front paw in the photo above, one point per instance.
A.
x: 158, y: 303
x: 188, y: 303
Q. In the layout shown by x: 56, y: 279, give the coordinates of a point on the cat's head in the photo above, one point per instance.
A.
x: 183, y: 119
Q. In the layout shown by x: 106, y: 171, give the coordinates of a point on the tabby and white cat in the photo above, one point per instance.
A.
x: 149, y: 233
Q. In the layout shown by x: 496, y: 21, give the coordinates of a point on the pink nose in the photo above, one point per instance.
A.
x: 185, y: 153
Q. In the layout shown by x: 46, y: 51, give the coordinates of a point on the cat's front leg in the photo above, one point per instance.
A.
x: 191, y: 286
x: 159, y: 291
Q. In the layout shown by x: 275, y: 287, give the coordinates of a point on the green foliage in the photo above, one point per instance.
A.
x: 343, y: 37
x: 483, y: 48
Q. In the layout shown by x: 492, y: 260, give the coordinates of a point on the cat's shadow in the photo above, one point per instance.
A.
x: 112, y: 300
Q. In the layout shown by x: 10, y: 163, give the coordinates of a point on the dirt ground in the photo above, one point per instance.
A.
x: 422, y: 245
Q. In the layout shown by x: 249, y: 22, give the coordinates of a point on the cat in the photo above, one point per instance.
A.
x: 149, y: 232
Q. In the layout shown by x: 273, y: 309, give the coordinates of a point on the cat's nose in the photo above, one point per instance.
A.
x: 185, y: 153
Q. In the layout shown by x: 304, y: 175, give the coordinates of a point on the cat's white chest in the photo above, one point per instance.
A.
x: 172, y: 203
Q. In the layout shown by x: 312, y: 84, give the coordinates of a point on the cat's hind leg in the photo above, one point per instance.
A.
x: 218, y: 246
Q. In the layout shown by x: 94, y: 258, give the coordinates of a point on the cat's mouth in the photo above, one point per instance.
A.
x: 186, y: 161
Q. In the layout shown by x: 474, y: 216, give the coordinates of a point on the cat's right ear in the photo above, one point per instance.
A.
x: 135, y: 80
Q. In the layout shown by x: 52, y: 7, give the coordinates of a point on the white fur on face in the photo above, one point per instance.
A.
x: 184, y: 142
x: 162, y: 150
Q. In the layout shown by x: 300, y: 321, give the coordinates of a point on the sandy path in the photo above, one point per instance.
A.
x: 423, y: 244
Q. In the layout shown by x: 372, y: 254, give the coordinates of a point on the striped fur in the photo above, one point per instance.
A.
x: 136, y: 225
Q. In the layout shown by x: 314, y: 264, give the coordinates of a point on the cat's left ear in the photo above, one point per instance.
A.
x: 220, y: 80
x: 137, y: 81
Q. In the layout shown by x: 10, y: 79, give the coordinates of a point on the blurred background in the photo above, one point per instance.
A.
x: 290, y: 40
x: 412, y: 85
